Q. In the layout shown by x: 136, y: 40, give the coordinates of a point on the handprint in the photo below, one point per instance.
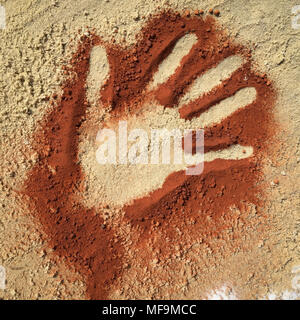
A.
x: 149, y: 114
x: 209, y: 85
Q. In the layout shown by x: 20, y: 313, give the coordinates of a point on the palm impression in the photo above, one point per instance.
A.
x: 150, y: 113
x: 183, y: 73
